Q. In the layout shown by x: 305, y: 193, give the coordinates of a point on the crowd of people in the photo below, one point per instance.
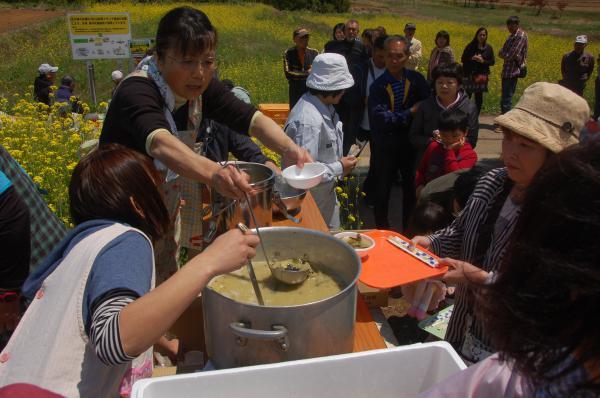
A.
x: 518, y: 239
x: 397, y: 104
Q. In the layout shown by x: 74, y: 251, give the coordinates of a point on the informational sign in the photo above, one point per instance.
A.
x: 138, y: 47
x: 99, y: 35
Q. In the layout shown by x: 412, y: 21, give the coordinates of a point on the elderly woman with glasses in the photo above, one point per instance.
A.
x: 449, y: 95
x: 157, y: 111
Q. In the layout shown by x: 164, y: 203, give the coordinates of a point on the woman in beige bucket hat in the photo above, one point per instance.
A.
x: 546, y: 120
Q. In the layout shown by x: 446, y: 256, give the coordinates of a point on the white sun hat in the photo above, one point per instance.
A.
x: 581, y: 39
x: 329, y: 73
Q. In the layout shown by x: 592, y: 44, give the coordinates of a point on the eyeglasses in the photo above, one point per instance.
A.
x: 191, y: 65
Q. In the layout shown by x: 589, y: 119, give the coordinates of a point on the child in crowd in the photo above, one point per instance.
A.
x: 314, y: 125
x: 449, y: 152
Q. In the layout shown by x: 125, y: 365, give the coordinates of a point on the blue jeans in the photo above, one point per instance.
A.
x: 508, y: 90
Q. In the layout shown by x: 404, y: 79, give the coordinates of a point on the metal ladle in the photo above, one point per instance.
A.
x: 286, y: 275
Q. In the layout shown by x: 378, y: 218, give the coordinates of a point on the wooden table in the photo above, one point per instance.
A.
x: 366, y: 333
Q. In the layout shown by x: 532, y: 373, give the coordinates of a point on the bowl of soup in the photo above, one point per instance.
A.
x: 361, y: 243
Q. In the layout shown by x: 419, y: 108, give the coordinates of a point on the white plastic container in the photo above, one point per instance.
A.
x: 396, y: 372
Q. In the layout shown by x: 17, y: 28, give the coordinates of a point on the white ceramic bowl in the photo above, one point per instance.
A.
x: 305, y: 178
x: 361, y: 252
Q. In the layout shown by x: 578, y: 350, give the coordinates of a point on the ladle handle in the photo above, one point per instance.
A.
x: 251, y: 273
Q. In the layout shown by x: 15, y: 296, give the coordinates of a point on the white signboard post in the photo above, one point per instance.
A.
x: 99, y: 36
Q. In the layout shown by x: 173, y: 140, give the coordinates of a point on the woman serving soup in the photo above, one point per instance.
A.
x: 157, y: 111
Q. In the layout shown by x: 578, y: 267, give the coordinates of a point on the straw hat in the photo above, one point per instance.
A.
x: 329, y: 73
x: 548, y: 114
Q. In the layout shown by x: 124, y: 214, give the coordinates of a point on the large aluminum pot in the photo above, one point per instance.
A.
x: 230, y: 212
x: 239, y: 334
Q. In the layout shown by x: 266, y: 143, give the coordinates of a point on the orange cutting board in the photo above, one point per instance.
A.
x: 388, y: 266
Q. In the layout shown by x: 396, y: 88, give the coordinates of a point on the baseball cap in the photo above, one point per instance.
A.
x: 582, y: 39
x: 329, y: 73
x: 301, y: 32
x: 47, y: 68
x: 410, y: 26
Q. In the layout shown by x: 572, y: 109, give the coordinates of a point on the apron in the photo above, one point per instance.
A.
x: 186, y: 200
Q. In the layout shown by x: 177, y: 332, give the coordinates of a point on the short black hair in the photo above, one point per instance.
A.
x: 395, y: 39
x: 513, y: 20
x: 67, y: 80
x: 453, y: 119
x: 428, y: 217
x: 186, y: 30
x: 445, y: 35
x: 452, y: 69
x: 324, y: 93
x: 379, y: 42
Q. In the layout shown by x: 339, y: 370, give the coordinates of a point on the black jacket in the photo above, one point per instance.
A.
x: 357, y: 58
x: 471, y: 67
x: 222, y: 140
x: 292, y: 67
x: 41, y: 89
x: 425, y: 122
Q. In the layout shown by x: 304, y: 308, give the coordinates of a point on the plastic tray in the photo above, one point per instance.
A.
x: 387, y: 266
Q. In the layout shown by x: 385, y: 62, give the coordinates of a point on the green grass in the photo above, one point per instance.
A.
x: 252, y: 39
x: 571, y: 23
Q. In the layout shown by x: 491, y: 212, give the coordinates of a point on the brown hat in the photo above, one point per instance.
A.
x: 301, y: 32
x: 548, y: 114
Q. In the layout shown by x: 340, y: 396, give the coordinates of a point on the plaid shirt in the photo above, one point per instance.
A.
x: 514, y: 53
x: 46, y: 229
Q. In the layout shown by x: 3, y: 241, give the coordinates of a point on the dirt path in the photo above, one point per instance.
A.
x: 13, y: 19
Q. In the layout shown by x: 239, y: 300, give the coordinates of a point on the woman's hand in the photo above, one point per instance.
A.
x: 231, y: 182
x: 422, y: 241
x: 461, y: 272
x: 228, y: 252
x: 296, y: 155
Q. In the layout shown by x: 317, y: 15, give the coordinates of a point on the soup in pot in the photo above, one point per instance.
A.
x: 237, y: 286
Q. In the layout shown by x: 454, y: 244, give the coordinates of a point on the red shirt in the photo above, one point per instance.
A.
x: 438, y: 161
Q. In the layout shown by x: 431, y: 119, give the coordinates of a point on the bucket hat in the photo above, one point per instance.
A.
x: 548, y: 114
x: 329, y: 73
x: 47, y: 68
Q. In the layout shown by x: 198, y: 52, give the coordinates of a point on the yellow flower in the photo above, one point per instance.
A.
x: 338, y: 190
x: 351, y: 218
x: 38, y: 179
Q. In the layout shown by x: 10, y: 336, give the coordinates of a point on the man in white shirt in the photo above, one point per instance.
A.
x: 416, y: 48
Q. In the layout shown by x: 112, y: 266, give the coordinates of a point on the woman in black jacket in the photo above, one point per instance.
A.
x: 477, y: 58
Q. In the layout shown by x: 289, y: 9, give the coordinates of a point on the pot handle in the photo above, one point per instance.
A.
x: 242, y: 330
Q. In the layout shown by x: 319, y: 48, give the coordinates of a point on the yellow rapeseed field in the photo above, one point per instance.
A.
x: 252, y: 39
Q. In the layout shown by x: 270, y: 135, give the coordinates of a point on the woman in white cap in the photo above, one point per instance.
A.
x: 547, y: 119
x: 314, y: 125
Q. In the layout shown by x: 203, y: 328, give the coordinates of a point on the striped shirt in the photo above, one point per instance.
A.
x: 104, y: 330
x: 398, y: 90
x: 460, y: 240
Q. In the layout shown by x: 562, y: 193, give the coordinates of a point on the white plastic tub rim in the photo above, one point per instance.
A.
x: 395, y: 372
